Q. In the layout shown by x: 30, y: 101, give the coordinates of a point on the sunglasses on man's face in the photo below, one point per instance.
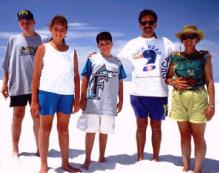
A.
x: 149, y: 22
x: 189, y: 36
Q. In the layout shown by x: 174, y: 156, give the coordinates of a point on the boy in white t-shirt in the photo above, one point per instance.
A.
x: 101, y: 85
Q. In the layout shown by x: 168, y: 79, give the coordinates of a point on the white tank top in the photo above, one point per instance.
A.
x: 57, y: 74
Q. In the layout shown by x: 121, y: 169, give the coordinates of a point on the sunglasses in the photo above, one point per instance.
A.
x: 149, y: 22
x: 190, y: 36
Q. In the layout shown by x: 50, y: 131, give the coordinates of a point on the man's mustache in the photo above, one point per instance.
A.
x: 147, y: 27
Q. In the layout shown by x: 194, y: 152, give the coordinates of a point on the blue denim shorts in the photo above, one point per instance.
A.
x: 51, y: 103
x: 153, y: 107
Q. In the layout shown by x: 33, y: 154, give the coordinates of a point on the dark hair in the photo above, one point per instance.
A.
x: 104, y: 36
x: 147, y: 12
x: 59, y: 19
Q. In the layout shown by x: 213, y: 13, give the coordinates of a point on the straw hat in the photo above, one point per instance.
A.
x: 190, y: 29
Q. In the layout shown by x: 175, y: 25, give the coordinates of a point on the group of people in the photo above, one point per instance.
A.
x: 46, y: 75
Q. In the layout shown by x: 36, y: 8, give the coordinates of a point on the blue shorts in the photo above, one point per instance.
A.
x: 51, y: 103
x: 154, y: 107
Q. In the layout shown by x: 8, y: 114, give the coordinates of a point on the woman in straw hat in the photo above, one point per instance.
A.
x: 192, y: 106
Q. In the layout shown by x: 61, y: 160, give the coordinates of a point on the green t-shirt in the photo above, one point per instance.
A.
x: 191, y: 68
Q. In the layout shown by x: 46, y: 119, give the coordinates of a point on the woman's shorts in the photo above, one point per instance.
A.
x: 154, y: 107
x: 94, y: 123
x: 189, y: 105
x: 51, y: 103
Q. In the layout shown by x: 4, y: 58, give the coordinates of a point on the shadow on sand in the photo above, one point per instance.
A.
x: 111, y: 161
x: 72, y: 153
x: 27, y: 154
x: 209, y: 166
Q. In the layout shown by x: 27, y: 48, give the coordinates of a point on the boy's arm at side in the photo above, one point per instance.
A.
x: 5, y: 68
x: 86, y: 72
x: 5, y: 85
x: 120, y: 96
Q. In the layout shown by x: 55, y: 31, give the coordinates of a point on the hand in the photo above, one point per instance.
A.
x: 4, y: 90
x: 83, y: 104
x: 209, y: 112
x: 34, y: 108
x: 76, y: 107
x: 119, y: 106
x: 180, y: 84
x: 91, y: 54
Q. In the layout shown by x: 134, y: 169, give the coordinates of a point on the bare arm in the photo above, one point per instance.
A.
x: 120, y: 94
x: 5, y: 85
x: 84, y: 86
x: 77, y: 84
x: 209, y: 112
x: 38, y: 65
x: 170, y: 75
x: 179, y: 83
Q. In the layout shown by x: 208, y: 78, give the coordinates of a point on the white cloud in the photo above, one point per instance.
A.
x: 81, y: 34
x: 43, y: 31
x: 77, y: 24
x: 77, y: 30
x: 89, y: 34
x: 81, y: 26
x: 6, y: 35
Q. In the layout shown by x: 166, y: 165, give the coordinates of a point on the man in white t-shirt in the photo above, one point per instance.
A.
x: 149, y: 92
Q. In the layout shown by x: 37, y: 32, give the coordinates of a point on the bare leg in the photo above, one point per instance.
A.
x: 198, y: 131
x: 89, y: 142
x: 185, y: 133
x: 141, y: 136
x: 36, y: 126
x: 44, y: 132
x: 62, y: 127
x: 102, y: 145
x: 156, y: 138
x: 18, y: 116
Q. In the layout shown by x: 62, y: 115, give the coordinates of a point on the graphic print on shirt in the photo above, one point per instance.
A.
x: 150, y: 53
x: 29, y: 50
x: 97, y: 82
x: 151, y: 56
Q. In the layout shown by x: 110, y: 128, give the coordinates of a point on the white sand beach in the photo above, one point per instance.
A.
x: 121, y: 148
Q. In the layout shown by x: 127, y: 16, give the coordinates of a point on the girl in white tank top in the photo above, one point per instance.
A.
x: 56, y: 76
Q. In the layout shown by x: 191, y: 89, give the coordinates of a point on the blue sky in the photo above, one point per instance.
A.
x: 87, y: 18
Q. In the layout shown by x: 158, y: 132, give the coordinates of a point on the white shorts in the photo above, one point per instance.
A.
x: 93, y: 123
